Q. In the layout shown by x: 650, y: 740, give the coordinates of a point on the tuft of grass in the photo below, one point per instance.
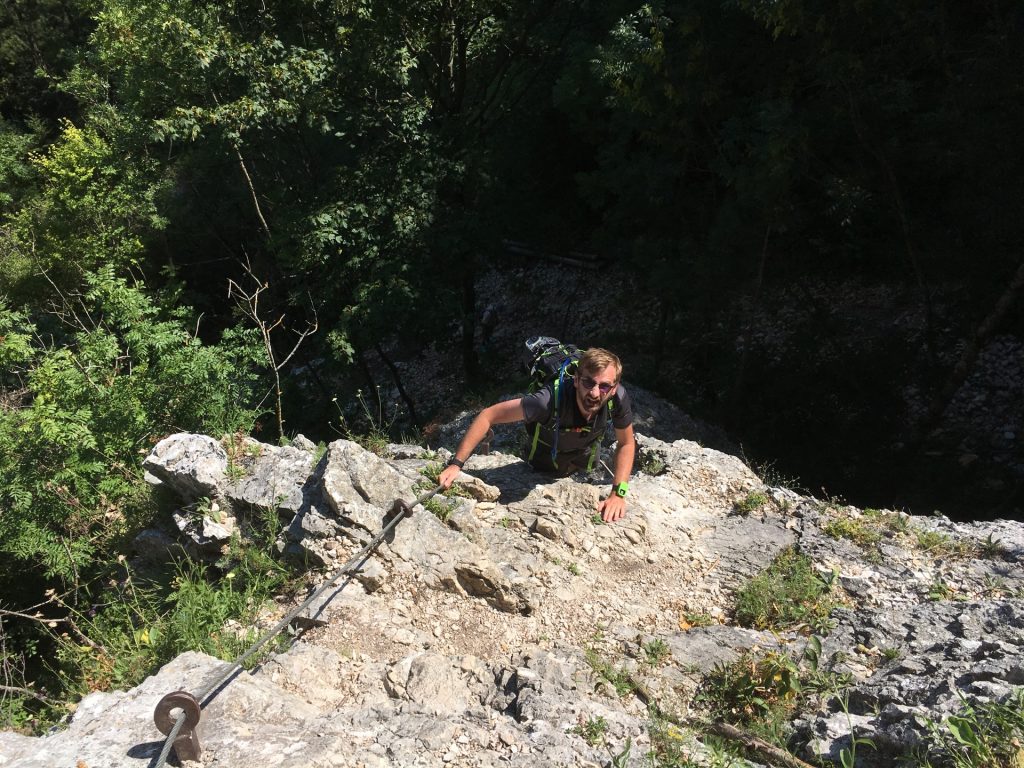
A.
x: 442, y: 510
x: 592, y: 731
x: 656, y: 651
x: 787, y: 594
x: 931, y: 541
x: 868, y: 529
x: 440, y: 506
x: 940, y: 590
x: 857, y: 530
x: 750, y: 503
x: 991, y: 549
x: 617, y: 677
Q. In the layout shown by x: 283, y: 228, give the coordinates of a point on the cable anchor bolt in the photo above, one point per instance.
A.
x: 186, y: 745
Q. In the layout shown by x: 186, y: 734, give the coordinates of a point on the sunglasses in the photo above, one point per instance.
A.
x: 588, y: 384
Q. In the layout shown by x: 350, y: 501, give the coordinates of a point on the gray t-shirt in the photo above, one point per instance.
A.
x: 576, y: 433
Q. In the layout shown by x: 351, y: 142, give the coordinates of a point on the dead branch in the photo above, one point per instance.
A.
x: 759, y: 747
x: 249, y: 303
x: 252, y: 190
x: 18, y: 691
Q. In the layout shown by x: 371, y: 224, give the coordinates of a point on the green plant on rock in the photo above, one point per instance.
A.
x: 932, y: 541
x: 377, y: 421
x: 432, y: 472
x: 989, y: 735
x: 751, y: 503
x: 441, y: 508
x: 617, y: 677
x: 787, y: 594
x: 651, y: 463
x: 848, y: 755
x: 897, y: 522
x: 668, y: 744
x: 991, y: 548
x: 319, y: 452
x: 697, y: 619
x: 655, y: 651
x: 940, y: 590
x: 205, y: 507
x: 592, y: 730
x: 857, y: 530
x: 868, y: 529
x: 760, y: 693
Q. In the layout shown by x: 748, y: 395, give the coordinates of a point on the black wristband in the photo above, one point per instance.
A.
x: 458, y: 463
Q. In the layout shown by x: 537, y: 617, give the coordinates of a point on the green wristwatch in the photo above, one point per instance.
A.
x: 621, y: 489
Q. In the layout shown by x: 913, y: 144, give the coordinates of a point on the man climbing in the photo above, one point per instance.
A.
x: 565, y: 421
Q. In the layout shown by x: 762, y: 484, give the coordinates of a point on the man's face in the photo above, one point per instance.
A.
x: 593, y: 388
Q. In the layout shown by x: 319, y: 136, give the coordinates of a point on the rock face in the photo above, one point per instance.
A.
x: 493, y: 633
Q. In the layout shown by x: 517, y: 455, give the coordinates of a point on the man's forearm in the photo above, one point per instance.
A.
x: 480, y: 426
x: 624, y: 456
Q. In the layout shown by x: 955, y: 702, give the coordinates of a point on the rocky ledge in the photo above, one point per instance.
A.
x: 497, y: 635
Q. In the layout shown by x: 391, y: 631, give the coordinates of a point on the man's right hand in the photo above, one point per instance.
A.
x: 447, y: 476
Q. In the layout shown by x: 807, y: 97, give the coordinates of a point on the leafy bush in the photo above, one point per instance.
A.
x: 89, y: 404
x: 85, y: 391
x: 763, y: 692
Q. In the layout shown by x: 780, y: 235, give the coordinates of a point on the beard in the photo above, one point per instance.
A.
x: 590, y: 405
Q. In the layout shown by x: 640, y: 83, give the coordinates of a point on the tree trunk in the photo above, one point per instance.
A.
x: 970, y: 354
x: 659, y: 338
x: 739, y: 384
x: 470, y: 360
x: 396, y: 377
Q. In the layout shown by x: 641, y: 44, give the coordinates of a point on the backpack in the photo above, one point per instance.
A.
x: 549, y: 361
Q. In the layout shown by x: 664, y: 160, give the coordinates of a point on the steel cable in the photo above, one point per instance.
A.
x: 398, y: 511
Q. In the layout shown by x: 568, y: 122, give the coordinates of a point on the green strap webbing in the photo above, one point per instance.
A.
x: 597, y: 442
x: 536, y: 439
x: 558, y: 414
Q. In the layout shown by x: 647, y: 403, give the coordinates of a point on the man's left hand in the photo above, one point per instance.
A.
x: 611, y: 509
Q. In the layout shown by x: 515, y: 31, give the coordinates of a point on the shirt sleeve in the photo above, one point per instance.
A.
x: 622, y: 413
x: 537, y: 406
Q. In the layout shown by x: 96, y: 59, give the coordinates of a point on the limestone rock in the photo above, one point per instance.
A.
x: 483, y: 635
x: 192, y: 465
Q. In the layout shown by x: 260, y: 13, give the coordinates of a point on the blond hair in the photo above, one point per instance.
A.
x: 596, y: 360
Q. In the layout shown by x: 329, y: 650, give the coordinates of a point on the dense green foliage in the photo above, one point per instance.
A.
x: 359, y: 163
